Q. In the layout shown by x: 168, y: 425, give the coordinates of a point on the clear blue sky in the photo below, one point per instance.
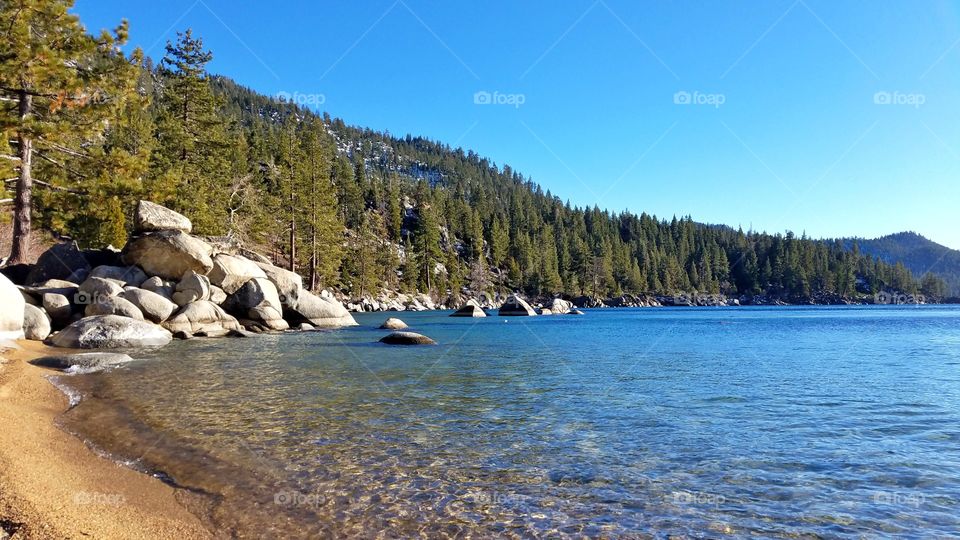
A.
x: 788, y: 134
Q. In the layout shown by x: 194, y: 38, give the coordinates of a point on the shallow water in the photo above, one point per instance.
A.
x: 778, y: 422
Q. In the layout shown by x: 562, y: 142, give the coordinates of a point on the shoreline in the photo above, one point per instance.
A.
x: 54, y: 486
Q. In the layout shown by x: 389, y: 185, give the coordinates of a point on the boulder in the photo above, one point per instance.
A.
x: 288, y: 284
x: 320, y: 311
x: 169, y: 254
x: 159, y: 286
x: 95, y: 289
x: 36, y: 323
x: 559, y: 305
x: 516, y: 307
x: 11, y: 310
x: 470, y: 309
x: 114, y: 305
x: 110, y: 332
x: 217, y: 295
x: 546, y: 311
x: 90, y: 360
x: 202, y: 318
x: 129, y: 275
x: 393, y: 324
x: 192, y: 287
x: 153, y: 306
x: 58, y: 262
x: 150, y: 217
x: 258, y: 301
x: 305, y: 327
x: 574, y: 311
x: 230, y: 272
x: 58, y: 307
x: 406, y: 338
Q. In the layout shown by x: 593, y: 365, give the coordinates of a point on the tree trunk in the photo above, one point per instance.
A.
x: 20, y: 252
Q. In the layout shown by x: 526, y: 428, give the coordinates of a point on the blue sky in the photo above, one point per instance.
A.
x: 834, y: 118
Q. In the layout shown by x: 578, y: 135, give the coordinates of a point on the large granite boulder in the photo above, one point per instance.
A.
x: 110, y: 332
x: 289, y: 284
x: 516, y: 307
x: 58, y: 307
x: 202, y: 318
x: 114, y: 305
x: 11, y: 310
x: 89, y: 360
x: 320, y: 311
x: 95, y: 289
x: 153, y: 306
x: 36, y: 323
x: 258, y: 301
x: 159, y: 286
x: 559, y: 306
x: 129, y: 275
x: 169, y: 254
x: 230, y: 272
x: 192, y: 287
x: 470, y: 309
x: 393, y: 323
x: 58, y: 262
x: 150, y: 217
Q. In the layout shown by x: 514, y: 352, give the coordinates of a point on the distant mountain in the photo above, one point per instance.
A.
x: 920, y: 255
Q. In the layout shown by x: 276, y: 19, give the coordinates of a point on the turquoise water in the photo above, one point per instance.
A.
x: 775, y: 422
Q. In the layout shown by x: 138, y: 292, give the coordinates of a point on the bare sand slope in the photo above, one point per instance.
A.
x: 53, y: 486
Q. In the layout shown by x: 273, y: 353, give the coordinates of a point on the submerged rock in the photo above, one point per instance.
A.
x: 574, y: 312
x: 406, y: 338
x: 110, y: 332
x: 82, y: 360
x: 393, y: 323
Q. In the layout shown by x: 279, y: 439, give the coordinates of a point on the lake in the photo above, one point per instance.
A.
x: 767, y: 421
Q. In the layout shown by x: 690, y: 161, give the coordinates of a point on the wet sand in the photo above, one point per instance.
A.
x: 53, y: 486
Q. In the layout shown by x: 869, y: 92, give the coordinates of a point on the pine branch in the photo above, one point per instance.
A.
x: 62, y: 166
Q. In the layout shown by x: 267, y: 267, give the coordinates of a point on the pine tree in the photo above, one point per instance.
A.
x: 62, y: 84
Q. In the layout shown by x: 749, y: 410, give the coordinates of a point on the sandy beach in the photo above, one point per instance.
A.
x: 53, y: 486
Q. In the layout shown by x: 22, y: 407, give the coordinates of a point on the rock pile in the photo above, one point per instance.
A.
x: 164, y: 283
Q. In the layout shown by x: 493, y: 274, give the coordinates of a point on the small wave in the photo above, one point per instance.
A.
x: 73, y: 396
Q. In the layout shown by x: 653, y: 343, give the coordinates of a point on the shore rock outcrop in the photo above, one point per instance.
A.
x: 320, y: 311
x: 169, y: 254
x: 516, y: 307
x: 191, y: 288
x: 559, y: 306
x: 11, y: 316
x: 110, y: 332
x: 202, y: 318
x: 406, y: 338
x: 150, y: 217
x: 232, y: 272
x: 153, y: 306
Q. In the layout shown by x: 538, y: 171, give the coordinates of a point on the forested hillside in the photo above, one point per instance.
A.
x: 917, y: 253
x: 352, y: 209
